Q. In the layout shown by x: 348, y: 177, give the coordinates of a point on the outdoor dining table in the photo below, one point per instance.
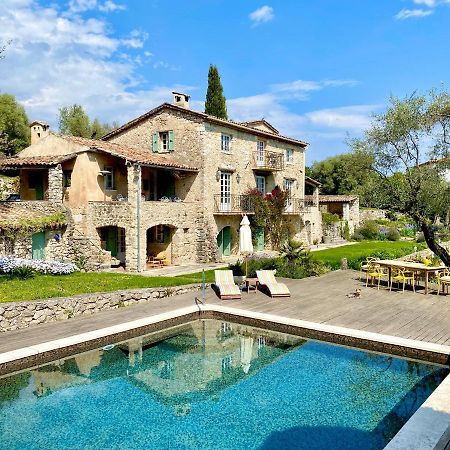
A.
x: 414, y: 266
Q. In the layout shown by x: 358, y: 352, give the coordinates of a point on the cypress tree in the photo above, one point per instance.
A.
x: 215, y: 104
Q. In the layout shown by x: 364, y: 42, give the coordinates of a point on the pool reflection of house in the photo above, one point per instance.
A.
x: 196, y: 362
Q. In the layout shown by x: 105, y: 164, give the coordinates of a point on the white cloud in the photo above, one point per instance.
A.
x: 432, y: 5
x: 412, y: 13
x: 110, y: 6
x: 262, y: 15
x: 78, y: 6
x: 59, y: 58
x: 354, y: 118
x: 332, y: 124
x: 429, y: 3
x: 308, y: 85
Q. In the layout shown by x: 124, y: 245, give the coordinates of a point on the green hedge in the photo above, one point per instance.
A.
x: 357, y: 253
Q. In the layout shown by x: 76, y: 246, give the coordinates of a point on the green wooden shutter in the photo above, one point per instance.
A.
x: 171, y: 141
x: 155, y: 142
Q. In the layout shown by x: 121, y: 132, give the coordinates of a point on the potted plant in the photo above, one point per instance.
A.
x: 238, y: 272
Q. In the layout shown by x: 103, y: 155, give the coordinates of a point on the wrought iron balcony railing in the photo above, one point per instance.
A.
x: 243, y: 204
x: 233, y: 204
x: 296, y: 205
x: 269, y: 161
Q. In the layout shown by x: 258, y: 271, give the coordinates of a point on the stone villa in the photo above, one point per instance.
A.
x: 169, y: 184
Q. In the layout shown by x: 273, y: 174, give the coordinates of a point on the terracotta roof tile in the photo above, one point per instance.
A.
x: 130, y: 153
x: 335, y: 198
x: 309, y: 180
x: 252, y: 123
x: 208, y: 118
x: 34, y: 161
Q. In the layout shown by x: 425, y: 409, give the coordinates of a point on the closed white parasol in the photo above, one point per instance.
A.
x: 246, y: 352
x: 245, y: 239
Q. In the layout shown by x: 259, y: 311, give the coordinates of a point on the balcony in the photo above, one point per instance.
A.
x: 295, y: 206
x: 233, y: 204
x: 265, y: 161
x: 243, y: 204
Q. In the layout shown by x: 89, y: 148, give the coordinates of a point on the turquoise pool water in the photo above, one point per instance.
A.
x: 214, y: 385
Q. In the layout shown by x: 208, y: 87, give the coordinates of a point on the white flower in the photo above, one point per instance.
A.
x: 9, y: 263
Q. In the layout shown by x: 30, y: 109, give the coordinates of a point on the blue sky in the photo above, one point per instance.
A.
x: 315, y: 69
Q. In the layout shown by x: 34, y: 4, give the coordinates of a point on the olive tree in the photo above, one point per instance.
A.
x: 410, y: 143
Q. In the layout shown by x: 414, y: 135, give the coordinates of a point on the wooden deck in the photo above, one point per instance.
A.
x: 321, y: 300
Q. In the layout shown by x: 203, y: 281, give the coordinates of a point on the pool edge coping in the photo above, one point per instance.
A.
x: 420, y: 432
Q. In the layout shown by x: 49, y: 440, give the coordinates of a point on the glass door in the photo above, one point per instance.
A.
x: 260, y: 154
x: 225, y: 191
x: 288, y: 186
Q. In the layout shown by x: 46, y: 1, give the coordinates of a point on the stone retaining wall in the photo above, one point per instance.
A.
x: 17, y: 315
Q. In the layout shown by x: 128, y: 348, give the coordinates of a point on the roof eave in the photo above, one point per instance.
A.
x: 207, y: 118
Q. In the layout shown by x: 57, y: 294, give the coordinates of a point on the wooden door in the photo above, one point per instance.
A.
x: 259, y: 239
x: 224, y: 241
x: 38, y: 245
x: 112, y: 240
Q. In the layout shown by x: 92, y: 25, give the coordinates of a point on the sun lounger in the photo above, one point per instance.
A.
x: 276, y: 289
x: 225, y: 283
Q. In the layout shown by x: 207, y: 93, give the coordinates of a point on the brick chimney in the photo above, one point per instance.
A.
x: 180, y: 99
x: 39, y: 130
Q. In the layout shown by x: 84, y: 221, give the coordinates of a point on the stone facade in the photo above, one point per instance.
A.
x: 14, y: 316
x: 199, y: 142
x: 122, y: 211
x: 366, y: 214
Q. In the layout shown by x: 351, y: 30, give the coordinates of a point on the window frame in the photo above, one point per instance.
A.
x: 225, y: 145
x: 67, y: 178
x: 110, y: 186
x: 159, y: 234
x: 261, y: 177
x: 289, y: 156
x: 162, y: 135
x: 290, y: 182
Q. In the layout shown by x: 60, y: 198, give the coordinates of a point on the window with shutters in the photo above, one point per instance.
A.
x: 163, y: 141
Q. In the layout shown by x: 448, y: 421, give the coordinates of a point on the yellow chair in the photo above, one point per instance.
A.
x: 403, y: 276
x: 373, y: 272
x: 443, y: 279
x: 364, y: 266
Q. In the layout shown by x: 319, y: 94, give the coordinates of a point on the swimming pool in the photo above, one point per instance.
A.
x: 216, y: 385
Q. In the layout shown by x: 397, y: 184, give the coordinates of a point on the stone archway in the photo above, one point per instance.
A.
x: 113, y: 241
x: 160, y: 245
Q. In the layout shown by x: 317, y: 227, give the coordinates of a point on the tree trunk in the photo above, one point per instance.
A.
x: 437, y: 249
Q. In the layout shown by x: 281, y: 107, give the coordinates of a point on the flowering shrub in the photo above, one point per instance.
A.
x: 9, y: 263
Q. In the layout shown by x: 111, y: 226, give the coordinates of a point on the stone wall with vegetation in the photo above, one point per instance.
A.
x: 366, y: 214
x: 8, y: 185
x: 14, y: 316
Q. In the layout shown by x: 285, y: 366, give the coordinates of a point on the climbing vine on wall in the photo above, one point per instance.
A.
x: 269, y: 214
x: 24, y: 227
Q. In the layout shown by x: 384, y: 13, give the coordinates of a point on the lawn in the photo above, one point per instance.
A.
x: 47, y: 286
x: 355, y: 253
